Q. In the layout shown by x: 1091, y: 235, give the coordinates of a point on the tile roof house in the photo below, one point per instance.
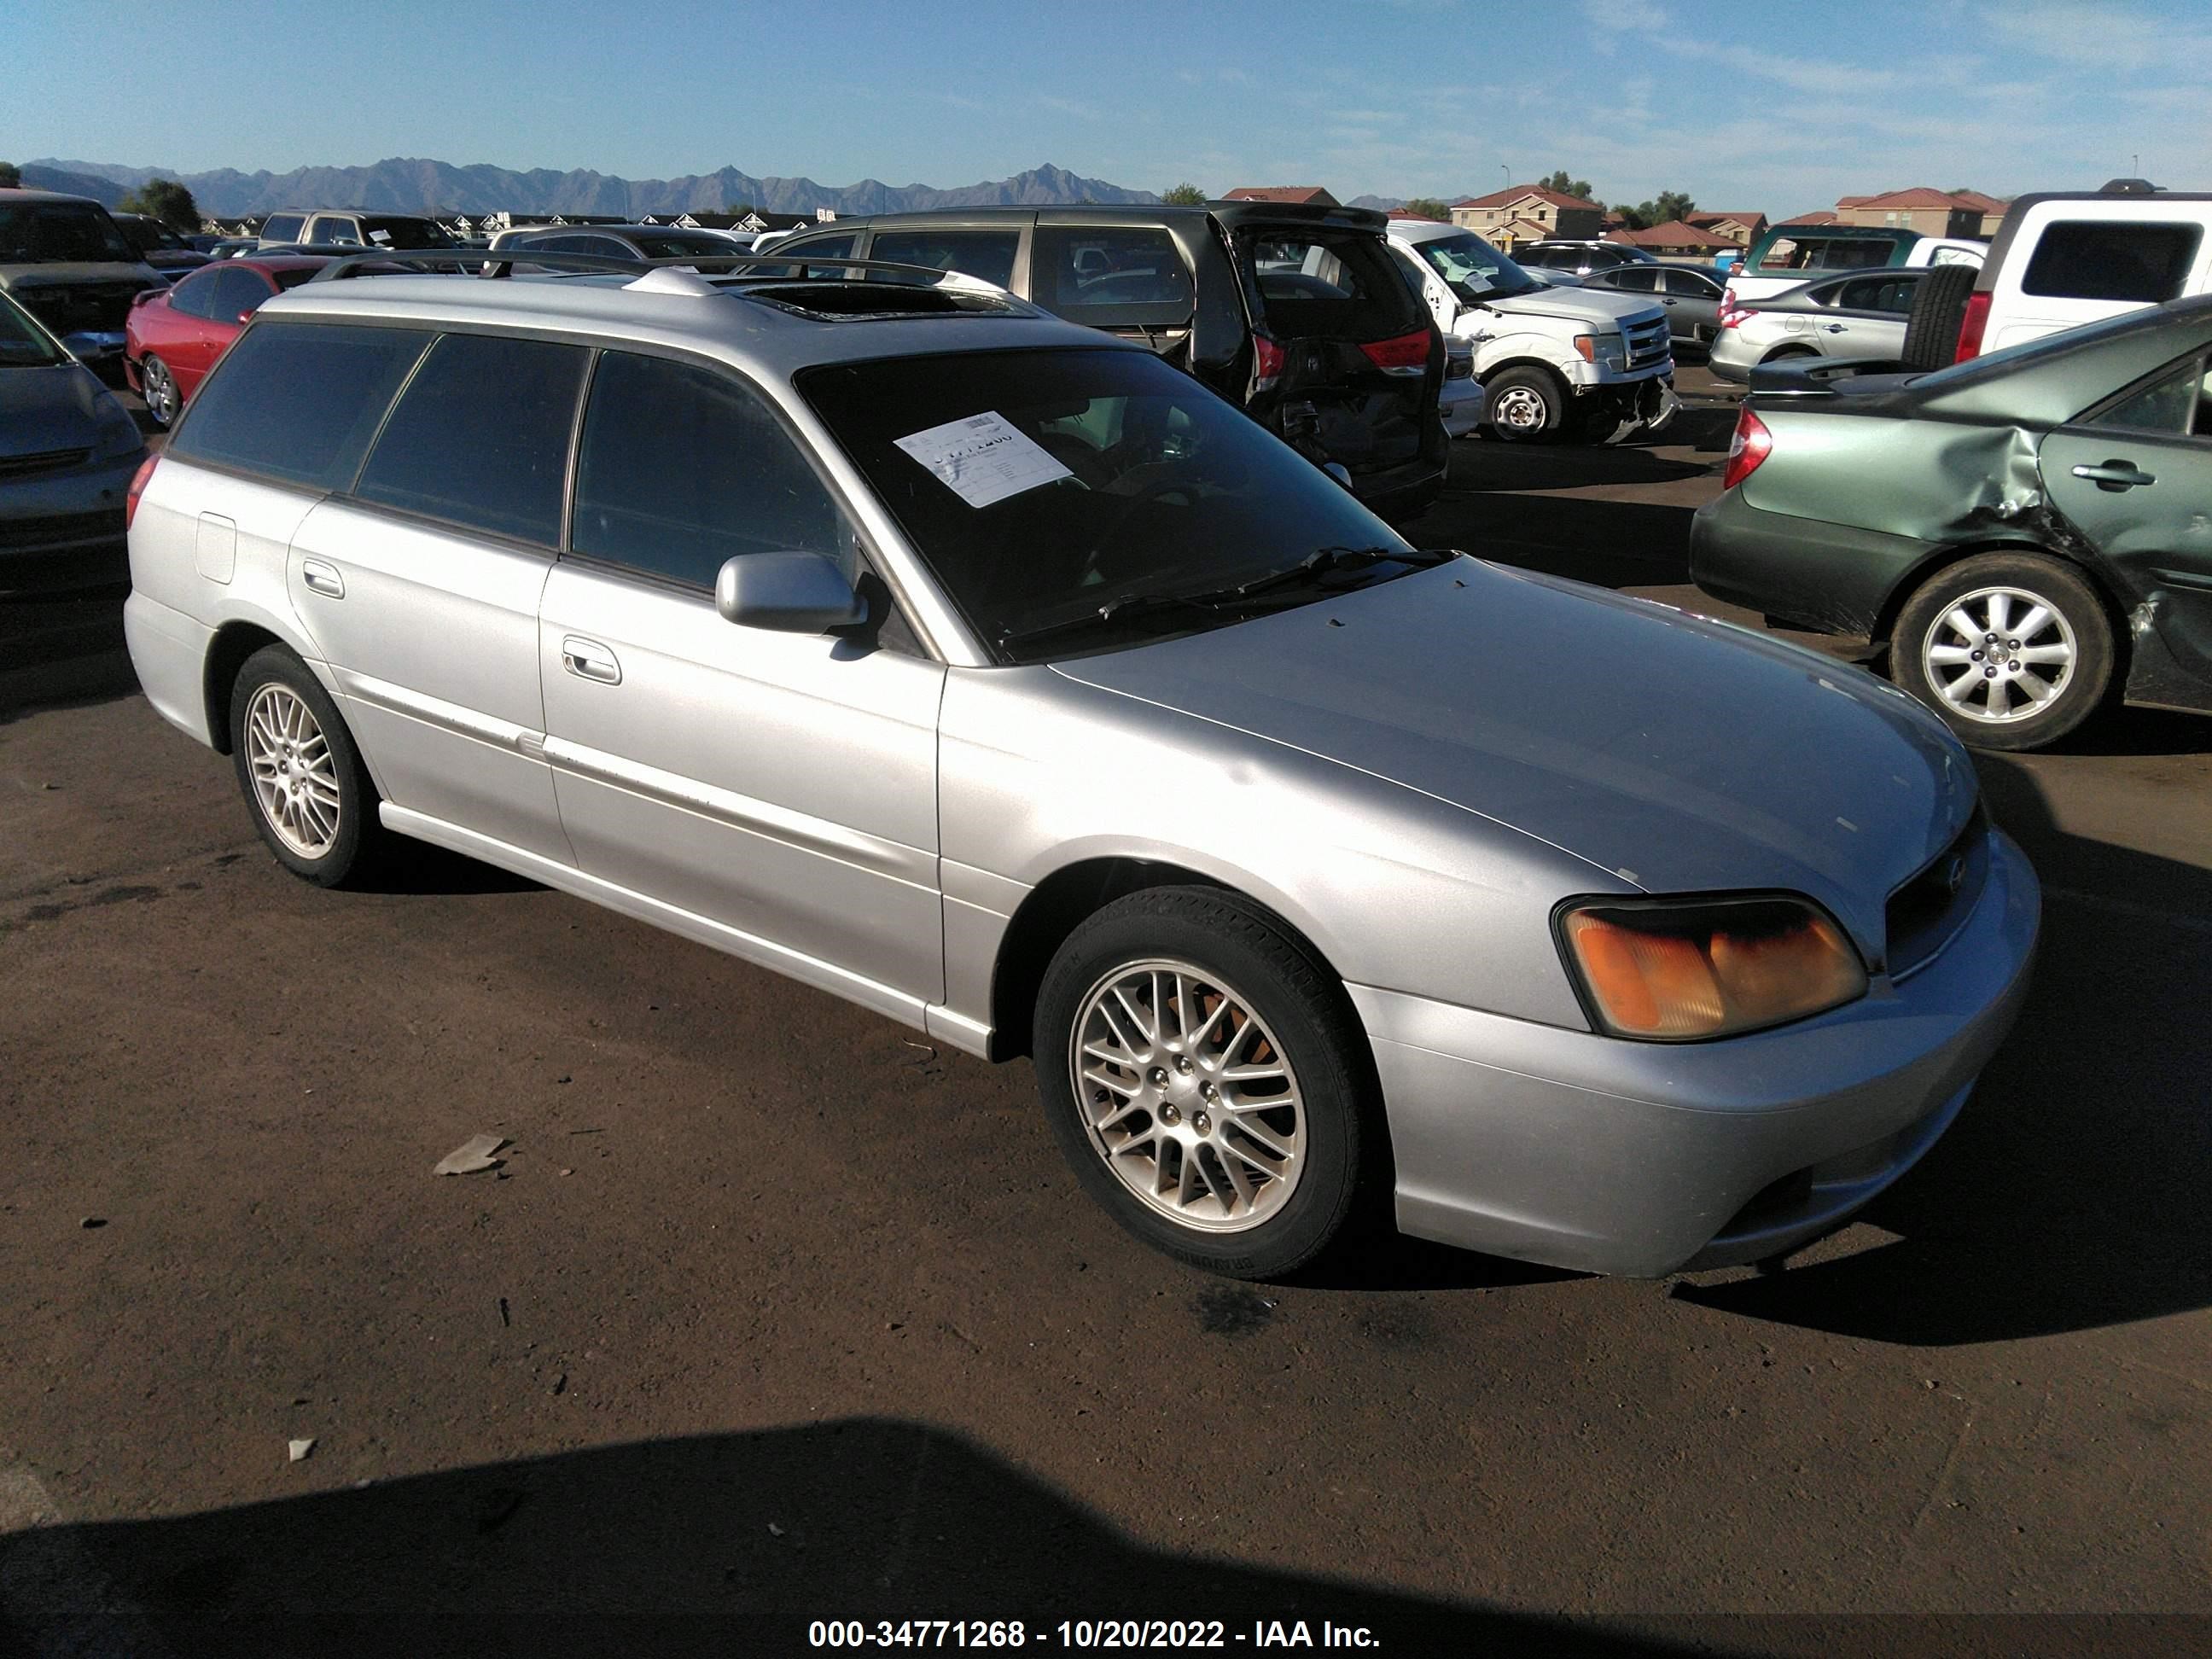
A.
x: 1740, y: 229
x: 1554, y: 212
x: 1820, y: 217
x: 1930, y: 212
x: 1312, y: 194
x: 1674, y: 237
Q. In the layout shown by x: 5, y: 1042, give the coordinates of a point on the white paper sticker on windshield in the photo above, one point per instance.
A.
x: 983, y: 458
x: 380, y: 236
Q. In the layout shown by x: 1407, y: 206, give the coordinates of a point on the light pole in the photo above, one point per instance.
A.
x: 1508, y: 171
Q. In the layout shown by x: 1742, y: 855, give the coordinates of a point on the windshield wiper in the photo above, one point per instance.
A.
x: 1214, y: 601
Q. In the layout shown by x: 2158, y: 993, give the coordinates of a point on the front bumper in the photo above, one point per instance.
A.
x: 1814, y: 574
x: 1591, y: 1152
x: 1589, y: 377
x: 1462, y: 407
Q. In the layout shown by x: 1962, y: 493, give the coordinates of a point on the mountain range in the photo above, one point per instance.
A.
x: 407, y: 185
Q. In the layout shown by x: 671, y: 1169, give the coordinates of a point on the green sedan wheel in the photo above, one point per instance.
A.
x: 2013, y: 650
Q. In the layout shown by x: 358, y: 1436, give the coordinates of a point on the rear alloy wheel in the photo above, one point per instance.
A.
x: 299, y: 770
x: 1205, y: 1077
x: 2013, y: 650
x: 162, y: 401
x: 1523, y: 405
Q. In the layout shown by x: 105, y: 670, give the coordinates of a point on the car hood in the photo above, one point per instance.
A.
x: 1580, y: 304
x: 65, y: 274
x: 1673, y: 753
x: 47, y: 408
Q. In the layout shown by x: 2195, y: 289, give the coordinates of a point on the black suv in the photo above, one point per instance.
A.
x: 65, y: 261
x: 1294, y: 312
x: 1579, y: 258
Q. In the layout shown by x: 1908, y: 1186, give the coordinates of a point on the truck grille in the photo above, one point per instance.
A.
x: 100, y: 306
x: 1648, y: 343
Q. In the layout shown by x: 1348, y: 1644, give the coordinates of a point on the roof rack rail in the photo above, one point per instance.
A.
x: 501, y: 263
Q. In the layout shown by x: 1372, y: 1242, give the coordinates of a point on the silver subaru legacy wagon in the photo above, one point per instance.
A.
x: 995, y: 674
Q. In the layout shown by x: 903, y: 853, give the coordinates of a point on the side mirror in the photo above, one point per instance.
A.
x: 790, y: 593
x: 1338, y: 470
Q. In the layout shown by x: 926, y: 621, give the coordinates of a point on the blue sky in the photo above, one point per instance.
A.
x: 1778, y: 107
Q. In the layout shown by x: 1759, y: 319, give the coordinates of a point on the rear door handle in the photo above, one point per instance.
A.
x: 588, y: 659
x: 323, y: 579
x: 2115, y: 475
x: 1835, y: 328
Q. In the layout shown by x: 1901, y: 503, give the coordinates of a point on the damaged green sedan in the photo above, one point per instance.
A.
x: 2029, y: 532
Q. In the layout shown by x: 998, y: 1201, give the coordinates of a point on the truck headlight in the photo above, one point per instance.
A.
x: 1675, y: 971
x: 1608, y: 350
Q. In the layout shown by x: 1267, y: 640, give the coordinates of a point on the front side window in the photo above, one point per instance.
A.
x: 481, y: 436
x: 24, y: 344
x: 987, y: 255
x: 2111, y: 259
x: 1689, y: 285
x: 682, y: 468
x: 2173, y: 404
x: 1083, y: 272
x: 1116, y: 479
x: 824, y: 247
x: 398, y: 231
x: 298, y: 402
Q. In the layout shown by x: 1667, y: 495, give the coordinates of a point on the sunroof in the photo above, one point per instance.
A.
x: 848, y: 301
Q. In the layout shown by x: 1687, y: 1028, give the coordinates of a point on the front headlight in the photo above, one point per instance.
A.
x: 1678, y: 970
x: 1607, y: 349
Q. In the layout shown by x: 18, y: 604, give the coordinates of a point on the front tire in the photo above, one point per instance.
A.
x: 302, y: 777
x: 2013, y: 650
x: 1523, y: 405
x: 1206, y: 1080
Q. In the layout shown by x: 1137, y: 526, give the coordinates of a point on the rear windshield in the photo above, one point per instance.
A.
x: 59, y: 232
x: 1325, y: 284
x: 1817, y: 252
x: 1097, y: 477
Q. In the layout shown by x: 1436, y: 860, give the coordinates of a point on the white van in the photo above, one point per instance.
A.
x: 1554, y: 363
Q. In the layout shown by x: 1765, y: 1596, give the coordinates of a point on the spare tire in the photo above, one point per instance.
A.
x: 1939, y: 310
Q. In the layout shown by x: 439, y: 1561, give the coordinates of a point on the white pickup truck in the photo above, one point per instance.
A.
x: 1554, y: 363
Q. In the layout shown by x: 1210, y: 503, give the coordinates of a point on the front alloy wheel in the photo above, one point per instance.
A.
x: 1205, y: 1076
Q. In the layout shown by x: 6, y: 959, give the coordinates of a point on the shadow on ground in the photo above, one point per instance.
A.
x: 715, y: 1544
x: 2070, y: 1194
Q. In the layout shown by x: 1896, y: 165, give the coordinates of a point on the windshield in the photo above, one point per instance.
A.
x: 406, y: 233
x: 57, y: 231
x: 1472, y: 269
x: 1082, y: 480
x: 24, y: 344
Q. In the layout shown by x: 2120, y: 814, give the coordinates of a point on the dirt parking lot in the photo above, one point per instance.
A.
x: 776, y: 1314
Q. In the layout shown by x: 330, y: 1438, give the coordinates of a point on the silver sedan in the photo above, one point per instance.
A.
x: 1846, y: 317
x: 1002, y: 678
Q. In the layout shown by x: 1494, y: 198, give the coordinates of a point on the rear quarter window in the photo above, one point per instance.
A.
x: 298, y: 402
x: 2110, y: 259
x: 283, y: 227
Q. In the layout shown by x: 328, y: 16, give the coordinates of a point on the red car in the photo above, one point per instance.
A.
x: 173, y: 335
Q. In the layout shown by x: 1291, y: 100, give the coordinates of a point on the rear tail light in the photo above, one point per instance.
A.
x: 1268, y: 366
x: 1732, y: 315
x: 1408, y: 353
x: 1752, y: 444
x: 1973, y: 325
x: 138, y: 481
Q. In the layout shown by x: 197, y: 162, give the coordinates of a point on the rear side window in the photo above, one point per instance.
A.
x: 2104, y: 259
x: 298, y: 402
x: 682, y: 468
x: 334, y: 232
x: 988, y: 254
x: 1693, y: 286
x: 1096, y: 273
x: 1323, y: 286
x: 195, y: 296
x: 2179, y: 401
x: 1885, y: 293
x: 1643, y: 279
x: 283, y: 227
x: 238, y: 294
x: 1826, y: 253
x: 481, y: 436
x: 822, y: 247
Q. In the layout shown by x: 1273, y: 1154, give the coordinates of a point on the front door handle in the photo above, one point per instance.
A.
x: 1835, y: 328
x: 323, y: 579
x: 588, y: 659
x: 2115, y: 475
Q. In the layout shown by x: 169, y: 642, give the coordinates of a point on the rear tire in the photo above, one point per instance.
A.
x: 1524, y: 405
x: 302, y: 777
x: 1229, y: 1134
x: 2038, y: 679
x: 159, y: 389
x: 1939, y: 311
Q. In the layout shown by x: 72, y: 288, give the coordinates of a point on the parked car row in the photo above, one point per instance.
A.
x: 68, y: 452
x: 2021, y: 531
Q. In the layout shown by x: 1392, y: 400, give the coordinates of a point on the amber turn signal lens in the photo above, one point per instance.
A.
x: 1711, y: 969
